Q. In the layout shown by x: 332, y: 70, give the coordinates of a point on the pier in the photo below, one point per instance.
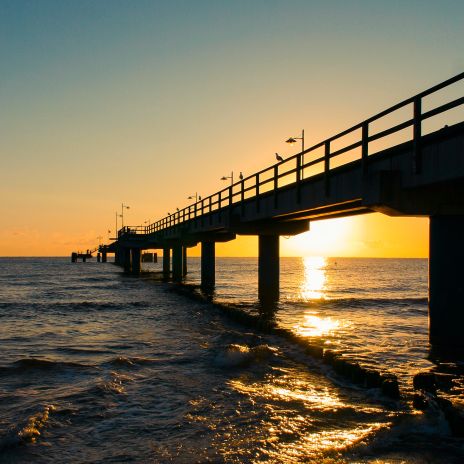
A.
x: 340, y: 176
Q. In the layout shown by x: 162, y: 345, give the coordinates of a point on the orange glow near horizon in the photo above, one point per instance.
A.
x: 370, y: 235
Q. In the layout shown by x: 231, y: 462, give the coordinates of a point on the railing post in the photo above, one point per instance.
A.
x: 210, y: 210
x: 417, y: 135
x: 276, y: 183
x: 219, y: 206
x: 257, y: 192
x: 230, y: 196
x: 327, y: 167
x: 202, y: 212
x: 242, y: 198
x: 364, y: 148
x: 298, y: 177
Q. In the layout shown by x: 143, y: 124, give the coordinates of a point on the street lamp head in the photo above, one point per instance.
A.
x: 224, y: 178
x: 291, y: 141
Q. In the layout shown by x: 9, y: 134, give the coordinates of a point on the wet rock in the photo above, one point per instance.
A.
x: 444, y: 381
x: 390, y: 386
x: 372, y: 378
x: 340, y: 366
x: 454, y: 416
x: 420, y: 401
x: 315, y: 351
x: 358, y: 373
x: 329, y: 356
x: 425, y: 381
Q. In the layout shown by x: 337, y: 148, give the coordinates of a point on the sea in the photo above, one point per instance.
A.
x: 97, y: 366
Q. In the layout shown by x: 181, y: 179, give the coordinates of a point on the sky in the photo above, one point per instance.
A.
x: 148, y: 102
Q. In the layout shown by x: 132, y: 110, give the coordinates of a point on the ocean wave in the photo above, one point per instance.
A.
x: 33, y: 364
x: 235, y: 355
x: 72, y: 305
x: 363, y: 302
x: 85, y: 351
x: 29, y: 432
x: 130, y: 361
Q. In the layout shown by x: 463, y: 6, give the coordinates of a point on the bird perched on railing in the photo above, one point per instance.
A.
x: 240, y: 176
x: 278, y: 157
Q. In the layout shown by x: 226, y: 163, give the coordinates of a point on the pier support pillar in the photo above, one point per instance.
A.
x: 268, y: 268
x: 166, y: 261
x: 98, y: 257
x: 74, y: 257
x: 126, y: 259
x: 104, y: 257
x: 208, y: 265
x: 177, y: 265
x: 184, y: 261
x: 135, y: 260
x: 446, y: 282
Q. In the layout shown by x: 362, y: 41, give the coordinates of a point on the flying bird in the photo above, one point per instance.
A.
x: 278, y: 157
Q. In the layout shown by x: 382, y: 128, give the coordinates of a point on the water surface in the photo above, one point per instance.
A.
x: 101, y: 367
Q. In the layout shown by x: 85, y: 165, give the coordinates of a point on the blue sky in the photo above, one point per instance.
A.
x: 148, y: 101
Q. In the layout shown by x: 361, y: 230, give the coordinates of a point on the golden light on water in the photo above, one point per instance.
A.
x: 314, y: 287
x: 288, y: 393
x: 317, y: 326
x: 314, y: 278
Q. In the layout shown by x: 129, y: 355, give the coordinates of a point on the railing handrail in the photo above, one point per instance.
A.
x: 226, y: 195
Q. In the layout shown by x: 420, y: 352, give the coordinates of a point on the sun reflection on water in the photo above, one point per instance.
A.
x: 314, y: 280
x: 317, y: 326
x: 314, y: 287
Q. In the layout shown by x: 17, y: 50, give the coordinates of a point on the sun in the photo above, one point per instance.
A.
x: 325, y: 238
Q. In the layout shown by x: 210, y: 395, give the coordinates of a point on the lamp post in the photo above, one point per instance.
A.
x: 231, y: 177
x: 123, y: 207
x: 195, y: 197
x: 116, y: 229
x: 292, y: 141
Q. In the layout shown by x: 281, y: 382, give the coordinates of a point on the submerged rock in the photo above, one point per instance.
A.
x: 425, y: 381
x: 390, y: 386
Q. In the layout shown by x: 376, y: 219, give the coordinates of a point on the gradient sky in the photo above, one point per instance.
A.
x: 148, y: 102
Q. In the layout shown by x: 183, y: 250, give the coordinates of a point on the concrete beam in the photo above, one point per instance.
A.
x: 271, y: 228
x: 384, y: 193
x: 216, y: 236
